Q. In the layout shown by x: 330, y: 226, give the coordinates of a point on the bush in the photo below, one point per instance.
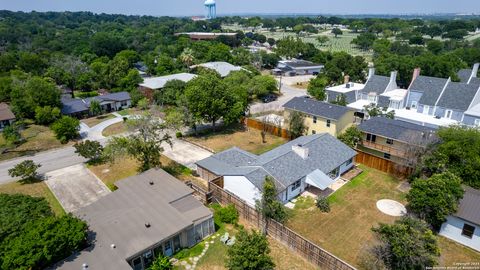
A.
x: 66, y: 128
x: 46, y: 115
x: 161, y: 263
x: 178, y: 134
x: 227, y: 214
x: 11, y: 134
x: 323, y: 204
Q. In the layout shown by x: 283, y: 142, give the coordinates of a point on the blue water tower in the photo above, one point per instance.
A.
x: 211, y: 8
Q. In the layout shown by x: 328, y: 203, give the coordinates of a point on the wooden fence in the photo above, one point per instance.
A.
x: 381, y: 164
x: 280, y: 232
x: 267, y: 127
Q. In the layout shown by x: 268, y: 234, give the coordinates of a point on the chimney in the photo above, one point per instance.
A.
x: 371, y: 72
x: 300, y: 150
x: 393, y: 77
x: 416, y: 73
x: 346, y: 79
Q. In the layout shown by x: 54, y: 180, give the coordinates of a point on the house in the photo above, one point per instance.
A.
x: 308, y: 161
x: 109, y: 102
x: 151, y: 84
x: 150, y: 214
x: 395, y: 141
x: 321, y: 116
x: 6, y: 116
x: 222, y: 68
x: 294, y: 67
x: 464, y: 226
x: 349, y: 89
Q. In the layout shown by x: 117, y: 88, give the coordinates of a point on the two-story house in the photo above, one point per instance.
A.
x: 394, y: 141
x: 321, y: 116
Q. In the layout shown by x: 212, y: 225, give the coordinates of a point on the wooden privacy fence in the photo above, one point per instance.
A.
x: 267, y: 127
x: 381, y: 164
x: 280, y: 232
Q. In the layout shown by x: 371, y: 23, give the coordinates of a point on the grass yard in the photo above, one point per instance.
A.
x: 452, y: 252
x: 38, y: 189
x: 248, y: 140
x: 115, y: 129
x: 92, y: 121
x: 345, y: 231
x: 38, y: 138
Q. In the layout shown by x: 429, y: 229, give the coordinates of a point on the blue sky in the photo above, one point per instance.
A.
x: 195, y: 7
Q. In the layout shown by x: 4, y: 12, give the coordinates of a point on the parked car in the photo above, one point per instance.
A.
x: 269, y: 98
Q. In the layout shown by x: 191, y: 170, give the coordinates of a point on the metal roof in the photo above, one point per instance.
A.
x: 300, y: 64
x: 458, y: 96
x: 318, y: 108
x: 397, y: 129
x: 5, y: 112
x: 159, y: 82
x: 431, y: 88
x: 223, y: 68
x: 119, y: 218
x: 469, y: 206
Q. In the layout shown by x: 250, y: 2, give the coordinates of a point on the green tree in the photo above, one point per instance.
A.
x: 95, y: 107
x: 316, y: 87
x: 91, y: 150
x: 187, y: 57
x: 269, y: 205
x: 351, y: 137
x: 66, y: 128
x: 406, y: 244
x: 174, y: 119
x: 435, y: 198
x: 291, y: 47
x: 336, y: 32
x: 262, y: 85
x: 46, y: 115
x: 322, y: 40
x: 161, y: 263
x: 365, y: 40
x: 170, y: 93
x: 250, y: 252
x: 11, y: 134
x: 296, y: 124
x: 43, y: 242
x: 26, y: 170
x: 145, y: 145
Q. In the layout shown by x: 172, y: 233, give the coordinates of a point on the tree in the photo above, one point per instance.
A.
x: 250, y: 252
x: 296, y: 124
x: 46, y: 115
x: 26, y: 170
x: 351, y: 137
x: 187, y: 57
x: 95, y: 107
x: 316, y: 87
x: 66, y: 128
x: 406, y: 244
x: 322, y: 40
x: 161, y: 263
x: 269, y: 60
x: 435, y: 198
x: 174, y: 119
x: 336, y: 32
x: 269, y: 205
x: 343, y: 63
x: 11, y: 134
x: 145, y: 145
x: 170, y: 93
x: 91, y: 150
x: 291, y: 47
x: 262, y: 85
x: 44, y: 242
x: 143, y: 104
x: 365, y: 40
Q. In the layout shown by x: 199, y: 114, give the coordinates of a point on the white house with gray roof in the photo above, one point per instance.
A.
x: 315, y: 160
x: 464, y: 226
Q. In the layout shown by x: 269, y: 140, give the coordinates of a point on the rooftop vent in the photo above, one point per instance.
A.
x: 112, y: 246
x: 84, y: 266
x: 151, y: 183
x: 147, y: 225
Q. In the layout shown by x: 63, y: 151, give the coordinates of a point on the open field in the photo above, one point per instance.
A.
x: 248, y: 140
x: 92, y: 121
x: 115, y: 129
x: 38, y: 189
x: 38, y: 138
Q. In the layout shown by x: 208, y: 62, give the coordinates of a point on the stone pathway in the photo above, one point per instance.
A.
x: 191, y: 263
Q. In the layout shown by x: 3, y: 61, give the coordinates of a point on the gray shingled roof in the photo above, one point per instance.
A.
x: 458, y: 96
x: 325, y: 153
x: 383, y: 101
x: 119, y: 218
x: 464, y: 75
x: 376, y: 84
x: 318, y: 108
x: 475, y: 81
x: 76, y: 105
x: 300, y: 64
x: 469, y: 206
x: 397, y: 130
x: 430, y: 86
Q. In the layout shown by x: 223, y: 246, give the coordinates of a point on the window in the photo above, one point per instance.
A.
x: 448, y: 114
x: 349, y: 162
x: 389, y: 141
x: 314, y: 132
x: 328, y: 123
x: 414, y: 104
x: 137, y: 264
x: 314, y: 119
x: 477, y: 122
x: 147, y: 259
x: 296, y: 185
x: 372, y: 98
x: 371, y: 137
x: 468, y: 230
x: 386, y: 155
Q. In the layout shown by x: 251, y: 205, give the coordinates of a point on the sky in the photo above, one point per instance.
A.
x: 228, y: 7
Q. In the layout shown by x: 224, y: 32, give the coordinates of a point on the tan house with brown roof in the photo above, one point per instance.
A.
x: 6, y: 116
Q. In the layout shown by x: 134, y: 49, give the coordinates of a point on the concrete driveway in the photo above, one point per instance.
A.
x: 75, y: 187
x: 185, y: 153
x: 288, y: 93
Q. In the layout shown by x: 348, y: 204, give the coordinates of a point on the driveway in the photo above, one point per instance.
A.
x: 75, y: 187
x: 288, y: 92
x: 95, y: 133
x: 185, y: 153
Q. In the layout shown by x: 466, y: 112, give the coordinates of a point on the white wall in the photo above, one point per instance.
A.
x: 240, y: 186
x: 452, y: 229
x: 344, y: 167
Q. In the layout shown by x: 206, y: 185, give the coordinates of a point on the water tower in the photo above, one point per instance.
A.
x: 211, y: 8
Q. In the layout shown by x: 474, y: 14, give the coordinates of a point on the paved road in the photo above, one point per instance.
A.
x: 288, y: 93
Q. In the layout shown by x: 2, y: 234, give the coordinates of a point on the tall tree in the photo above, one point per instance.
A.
x: 250, y: 252
x: 269, y: 205
x: 316, y: 87
x: 296, y: 124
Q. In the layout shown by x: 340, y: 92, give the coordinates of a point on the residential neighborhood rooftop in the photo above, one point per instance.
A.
x: 297, y: 63
x: 346, y: 87
x: 431, y: 88
x: 74, y: 105
x: 223, y: 68
x: 159, y: 82
x: 5, y: 112
x: 469, y: 206
x: 318, y: 108
x: 458, y: 96
x: 120, y: 218
x: 396, y: 129
x: 376, y: 84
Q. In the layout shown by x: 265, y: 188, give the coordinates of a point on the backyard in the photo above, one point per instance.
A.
x: 353, y: 214
x: 249, y: 140
x: 37, y: 139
